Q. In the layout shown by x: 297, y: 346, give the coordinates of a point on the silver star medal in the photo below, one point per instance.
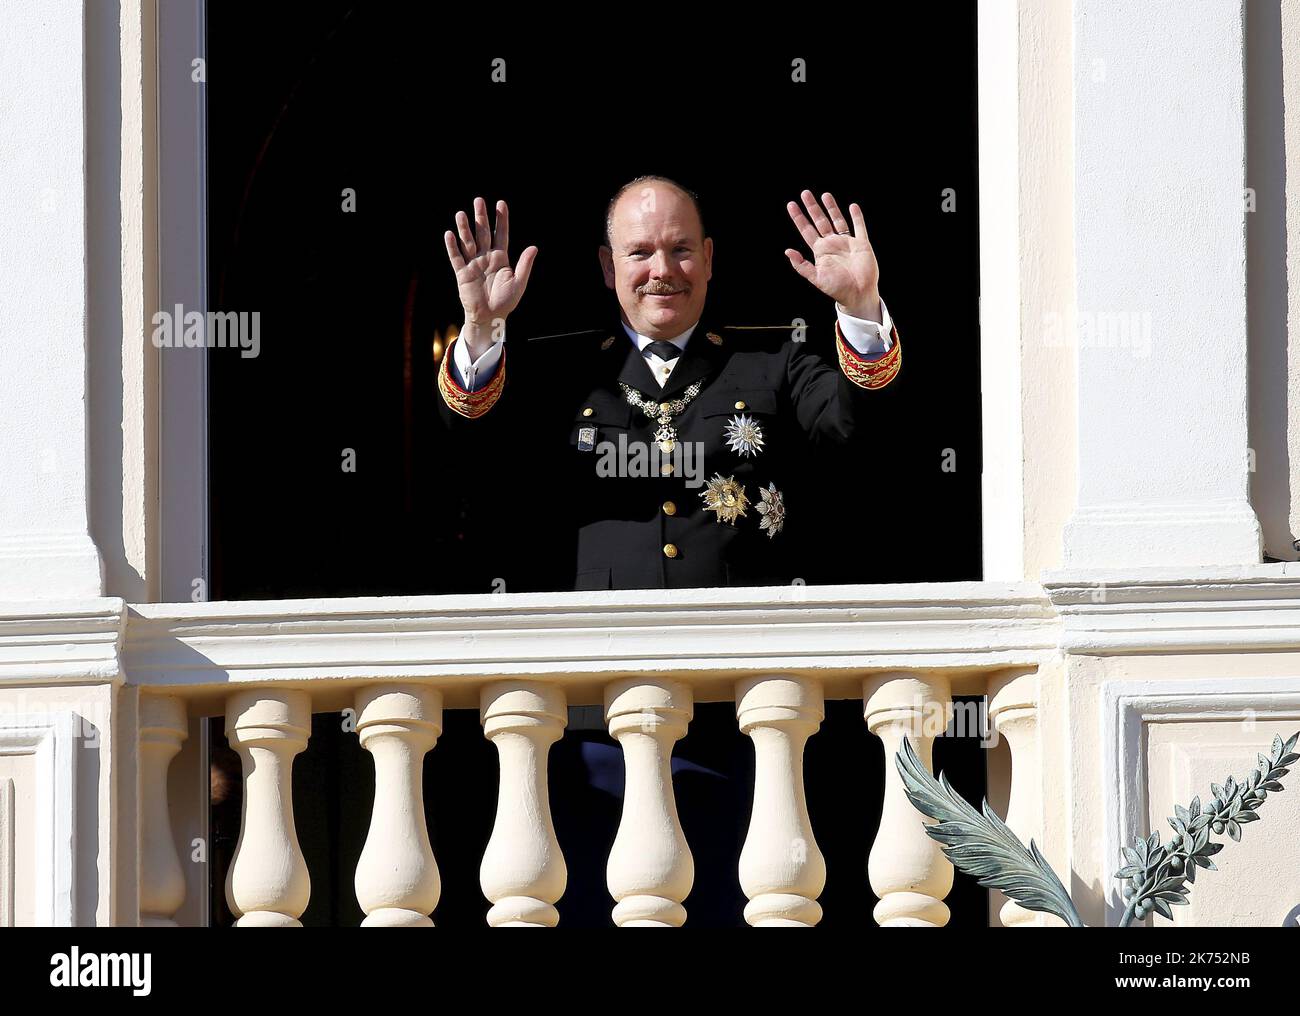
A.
x: 744, y: 435
x: 772, y: 508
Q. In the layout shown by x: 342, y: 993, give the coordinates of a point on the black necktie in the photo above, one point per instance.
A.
x: 666, y: 351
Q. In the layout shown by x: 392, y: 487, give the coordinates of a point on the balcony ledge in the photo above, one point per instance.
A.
x: 710, y: 637
x: 583, y: 640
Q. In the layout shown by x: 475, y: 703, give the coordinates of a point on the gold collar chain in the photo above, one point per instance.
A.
x: 662, y: 412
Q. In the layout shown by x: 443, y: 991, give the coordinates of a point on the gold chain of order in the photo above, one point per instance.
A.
x: 657, y: 410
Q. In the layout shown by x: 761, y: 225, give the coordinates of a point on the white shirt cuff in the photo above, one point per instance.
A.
x: 474, y: 375
x: 869, y: 338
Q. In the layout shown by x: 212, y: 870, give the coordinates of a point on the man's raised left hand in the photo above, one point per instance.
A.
x: 844, y: 265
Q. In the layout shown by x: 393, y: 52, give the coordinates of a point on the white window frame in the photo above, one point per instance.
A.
x: 183, y: 279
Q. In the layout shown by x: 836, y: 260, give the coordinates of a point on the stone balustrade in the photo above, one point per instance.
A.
x: 647, y: 659
x: 650, y: 871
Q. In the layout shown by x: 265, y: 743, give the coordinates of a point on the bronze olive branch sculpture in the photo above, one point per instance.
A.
x: 1158, y: 875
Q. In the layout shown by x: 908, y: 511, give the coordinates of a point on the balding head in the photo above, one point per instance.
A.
x: 643, y: 187
x: 657, y: 258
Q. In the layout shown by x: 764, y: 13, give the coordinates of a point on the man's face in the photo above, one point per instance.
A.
x: 659, y: 261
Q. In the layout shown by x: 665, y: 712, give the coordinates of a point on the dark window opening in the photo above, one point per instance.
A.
x: 328, y: 474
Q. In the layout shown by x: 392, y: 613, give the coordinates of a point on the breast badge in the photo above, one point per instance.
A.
x: 725, y: 497
x: 772, y: 508
x: 744, y: 435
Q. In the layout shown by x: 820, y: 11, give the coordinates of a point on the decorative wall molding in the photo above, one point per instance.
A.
x: 61, y: 641
x: 817, y: 629
x: 1177, y: 610
x: 1127, y: 707
x: 51, y: 739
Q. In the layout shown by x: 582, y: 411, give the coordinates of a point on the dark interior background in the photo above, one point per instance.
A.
x: 305, y: 100
x: 397, y: 103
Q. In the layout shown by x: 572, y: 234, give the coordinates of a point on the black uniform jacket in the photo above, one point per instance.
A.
x: 578, y: 481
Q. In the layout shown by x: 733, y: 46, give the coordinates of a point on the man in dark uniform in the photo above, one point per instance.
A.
x: 658, y: 453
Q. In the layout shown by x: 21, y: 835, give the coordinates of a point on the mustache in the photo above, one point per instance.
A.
x: 657, y: 287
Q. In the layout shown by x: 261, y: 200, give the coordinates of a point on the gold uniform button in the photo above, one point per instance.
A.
x: 666, y: 469
x: 670, y: 550
x: 740, y: 404
x: 670, y: 508
x: 588, y: 411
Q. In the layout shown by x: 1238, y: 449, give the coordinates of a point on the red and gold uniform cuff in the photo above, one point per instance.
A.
x: 469, y: 404
x: 866, y: 373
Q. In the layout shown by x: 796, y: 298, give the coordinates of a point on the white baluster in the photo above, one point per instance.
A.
x: 397, y: 880
x: 523, y: 872
x: 1013, y: 708
x: 907, y: 869
x: 163, y: 726
x: 268, y: 884
x: 650, y: 869
x: 781, y: 869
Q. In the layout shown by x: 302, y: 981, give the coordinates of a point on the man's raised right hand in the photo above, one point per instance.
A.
x: 489, y: 289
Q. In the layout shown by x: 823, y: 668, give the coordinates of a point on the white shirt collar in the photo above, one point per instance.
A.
x: 644, y: 340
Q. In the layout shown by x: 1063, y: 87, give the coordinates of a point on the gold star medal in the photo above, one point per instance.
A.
x: 726, y: 497
x: 744, y: 435
x: 772, y: 508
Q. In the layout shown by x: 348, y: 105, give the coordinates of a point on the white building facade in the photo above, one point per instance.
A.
x: 1137, y: 630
